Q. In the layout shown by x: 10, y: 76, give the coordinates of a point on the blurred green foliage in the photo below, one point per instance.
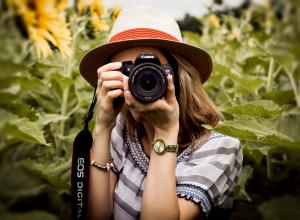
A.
x: 255, y: 83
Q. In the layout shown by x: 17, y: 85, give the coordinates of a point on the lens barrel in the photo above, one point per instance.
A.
x: 147, y: 82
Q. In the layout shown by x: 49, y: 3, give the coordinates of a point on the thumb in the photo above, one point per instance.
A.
x: 170, y: 89
x: 125, y: 81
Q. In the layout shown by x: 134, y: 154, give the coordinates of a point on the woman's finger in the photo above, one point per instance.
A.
x: 158, y: 105
x: 107, y: 86
x: 125, y: 81
x: 109, y: 67
x: 111, y: 85
x: 110, y: 75
x: 170, y: 94
x: 127, y: 93
x: 113, y: 94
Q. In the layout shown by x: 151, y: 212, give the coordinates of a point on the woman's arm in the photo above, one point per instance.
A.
x: 159, y: 197
x: 160, y: 200
x: 101, y: 182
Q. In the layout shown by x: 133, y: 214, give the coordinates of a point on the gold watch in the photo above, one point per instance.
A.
x: 160, y: 147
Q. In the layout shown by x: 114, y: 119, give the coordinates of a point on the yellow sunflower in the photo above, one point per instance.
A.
x: 96, y: 11
x: 116, y: 11
x: 82, y: 5
x: 44, y: 24
x: 214, y: 21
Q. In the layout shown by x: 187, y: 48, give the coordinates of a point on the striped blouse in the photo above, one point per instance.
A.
x: 206, y: 176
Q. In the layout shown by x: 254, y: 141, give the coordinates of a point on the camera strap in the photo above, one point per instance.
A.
x: 80, y: 167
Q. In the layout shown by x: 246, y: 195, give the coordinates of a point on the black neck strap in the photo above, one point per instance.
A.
x: 80, y: 167
x: 90, y: 113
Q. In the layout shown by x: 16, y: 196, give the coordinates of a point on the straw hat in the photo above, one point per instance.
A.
x: 144, y: 26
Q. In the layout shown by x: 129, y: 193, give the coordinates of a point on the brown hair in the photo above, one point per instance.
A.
x: 195, y: 107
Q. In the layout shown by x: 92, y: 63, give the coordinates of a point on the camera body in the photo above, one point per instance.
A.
x: 147, y: 77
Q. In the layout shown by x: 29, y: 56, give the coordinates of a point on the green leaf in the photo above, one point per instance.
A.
x: 280, y: 97
x: 30, y: 83
x: 29, y: 215
x: 250, y: 83
x: 18, y: 182
x: 63, y: 81
x: 260, y: 108
x: 260, y: 130
x: 193, y: 38
x: 252, y: 63
x: 257, y: 151
x: 26, y: 130
x: 19, y: 109
x: 9, y: 68
x: 286, y: 53
x: 51, y: 172
x: 51, y: 118
x: 24, y: 82
x: 289, y: 124
x: 6, y: 117
x: 246, y: 175
x: 45, y: 101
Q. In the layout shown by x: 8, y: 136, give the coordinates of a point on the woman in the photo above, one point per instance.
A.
x: 200, y: 168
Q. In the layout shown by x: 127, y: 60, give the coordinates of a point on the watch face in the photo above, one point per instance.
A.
x: 159, y: 146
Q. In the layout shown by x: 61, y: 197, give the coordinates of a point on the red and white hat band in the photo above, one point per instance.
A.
x: 141, y: 33
x: 142, y: 22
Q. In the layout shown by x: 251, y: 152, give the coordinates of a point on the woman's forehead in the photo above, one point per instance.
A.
x: 131, y: 54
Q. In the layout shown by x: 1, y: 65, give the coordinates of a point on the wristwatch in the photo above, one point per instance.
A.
x: 160, y: 147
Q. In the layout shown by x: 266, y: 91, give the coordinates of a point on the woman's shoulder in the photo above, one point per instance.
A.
x: 219, y: 142
x: 217, y: 147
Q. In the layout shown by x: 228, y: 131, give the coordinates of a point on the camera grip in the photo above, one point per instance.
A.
x: 118, y: 101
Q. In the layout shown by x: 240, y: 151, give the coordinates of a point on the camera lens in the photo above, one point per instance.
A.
x: 147, y: 82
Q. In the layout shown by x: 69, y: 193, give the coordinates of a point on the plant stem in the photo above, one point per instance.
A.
x: 270, y: 75
x: 276, y: 72
x: 269, y: 166
x: 294, y: 86
x: 65, y: 95
x: 63, y: 110
x: 68, y: 73
x: 63, y: 167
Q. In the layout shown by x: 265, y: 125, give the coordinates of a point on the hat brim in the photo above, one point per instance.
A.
x: 100, y: 55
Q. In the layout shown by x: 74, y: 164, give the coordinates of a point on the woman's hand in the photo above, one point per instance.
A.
x: 163, y: 114
x: 110, y: 87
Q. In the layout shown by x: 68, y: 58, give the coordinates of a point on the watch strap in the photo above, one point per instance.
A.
x: 171, y: 148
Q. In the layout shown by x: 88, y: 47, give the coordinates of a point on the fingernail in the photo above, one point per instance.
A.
x: 118, y: 64
x: 125, y: 78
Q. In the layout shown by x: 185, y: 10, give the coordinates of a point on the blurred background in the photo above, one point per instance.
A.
x: 255, y: 47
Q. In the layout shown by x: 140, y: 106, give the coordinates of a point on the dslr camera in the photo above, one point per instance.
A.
x: 147, y: 77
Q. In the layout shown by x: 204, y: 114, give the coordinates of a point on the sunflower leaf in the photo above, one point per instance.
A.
x: 260, y: 130
x: 26, y: 130
x: 260, y: 108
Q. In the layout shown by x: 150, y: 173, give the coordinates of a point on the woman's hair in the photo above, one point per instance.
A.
x: 195, y: 107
